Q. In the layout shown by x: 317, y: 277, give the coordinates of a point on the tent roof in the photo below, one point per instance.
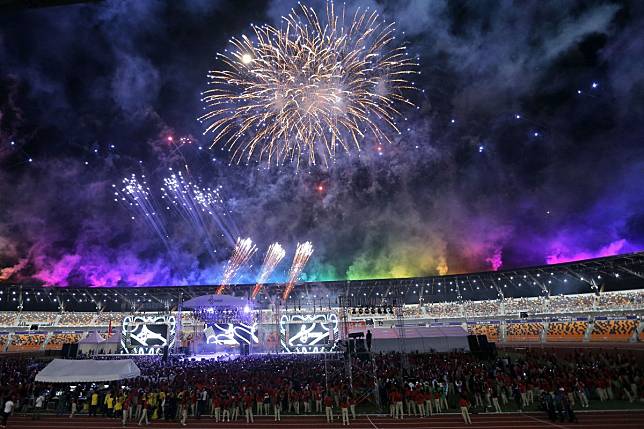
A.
x: 92, y: 338
x: 83, y: 371
x: 114, y: 339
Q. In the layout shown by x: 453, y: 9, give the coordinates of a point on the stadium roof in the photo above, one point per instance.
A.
x: 622, y: 272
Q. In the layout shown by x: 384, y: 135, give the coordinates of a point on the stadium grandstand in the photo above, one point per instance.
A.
x: 435, y: 334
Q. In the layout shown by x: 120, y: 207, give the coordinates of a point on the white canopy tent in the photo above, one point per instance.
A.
x: 86, y: 371
x: 91, y: 343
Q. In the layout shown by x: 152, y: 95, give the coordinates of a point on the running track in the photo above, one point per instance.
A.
x: 587, y: 420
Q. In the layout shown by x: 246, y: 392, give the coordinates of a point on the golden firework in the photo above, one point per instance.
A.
x: 309, y: 89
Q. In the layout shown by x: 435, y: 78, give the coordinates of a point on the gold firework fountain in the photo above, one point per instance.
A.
x: 303, y: 253
x: 274, y: 255
x: 243, y: 251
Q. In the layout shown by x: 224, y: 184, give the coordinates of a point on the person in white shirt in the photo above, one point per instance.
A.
x: 38, y: 406
x: 6, y: 412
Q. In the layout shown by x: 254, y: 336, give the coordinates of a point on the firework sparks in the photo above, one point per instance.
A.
x: 302, y: 254
x: 136, y: 196
x: 196, y: 204
x: 274, y: 255
x: 242, y: 253
x: 309, y: 89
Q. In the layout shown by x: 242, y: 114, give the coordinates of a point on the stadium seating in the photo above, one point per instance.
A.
x: 569, y: 303
x: 37, y: 318
x: 566, y: 331
x: 56, y: 341
x: 443, y: 310
x: 513, y: 306
x: 523, y: 332
x: 625, y: 300
x: 8, y: 318
x: 481, y: 308
x: 613, y: 330
x: 76, y: 319
x: 26, y: 342
x: 104, y: 319
x: 490, y: 331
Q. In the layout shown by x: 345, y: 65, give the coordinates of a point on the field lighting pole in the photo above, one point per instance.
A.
x: 179, y: 330
x: 400, y: 321
x: 344, y: 304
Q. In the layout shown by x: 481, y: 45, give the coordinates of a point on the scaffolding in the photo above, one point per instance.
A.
x: 346, y: 304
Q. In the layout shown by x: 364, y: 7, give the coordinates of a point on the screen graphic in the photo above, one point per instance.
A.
x: 231, y: 334
x: 147, y: 335
x: 309, y: 333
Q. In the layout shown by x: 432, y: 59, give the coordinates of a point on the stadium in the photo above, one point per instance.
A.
x: 375, y: 214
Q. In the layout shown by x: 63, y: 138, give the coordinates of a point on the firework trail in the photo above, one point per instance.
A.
x: 308, y: 89
x: 302, y: 254
x: 274, y: 255
x: 136, y: 196
x: 243, y: 251
x: 196, y: 204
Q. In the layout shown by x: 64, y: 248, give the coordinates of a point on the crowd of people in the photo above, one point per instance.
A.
x: 508, y: 306
x: 419, y: 385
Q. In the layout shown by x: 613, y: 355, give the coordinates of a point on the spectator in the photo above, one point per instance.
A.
x: 6, y: 411
x: 464, y: 404
x: 38, y: 406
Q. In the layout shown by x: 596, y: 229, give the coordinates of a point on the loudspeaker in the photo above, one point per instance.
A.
x: 65, y: 351
x: 245, y: 349
x: 473, y: 342
x: 523, y: 314
x: 483, y: 343
x: 73, y: 350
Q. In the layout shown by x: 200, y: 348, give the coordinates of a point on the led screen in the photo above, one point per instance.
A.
x: 147, y: 335
x: 308, y: 333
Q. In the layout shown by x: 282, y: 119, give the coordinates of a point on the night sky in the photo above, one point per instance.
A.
x: 527, y: 147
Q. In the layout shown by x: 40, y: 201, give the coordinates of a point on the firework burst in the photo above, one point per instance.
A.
x: 306, y: 91
x: 274, y: 255
x: 137, y: 197
x: 196, y: 204
x: 242, y: 253
x: 302, y: 254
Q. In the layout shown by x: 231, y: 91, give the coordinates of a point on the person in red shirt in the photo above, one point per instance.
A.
x: 392, y: 404
x: 420, y: 402
x: 411, y: 403
x: 259, y: 400
x: 352, y: 406
x: 328, y: 408
x: 306, y: 401
x: 344, y: 408
x: 277, y: 405
x: 248, y: 407
x: 464, y: 403
x: 185, y: 400
x: 437, y: 401
x: 318, y: 401
x: 428, y: 403
x: 216, y: 406
x: 144, y: 411
x: 398, y: 399
x: 225, y: 415
x: 126, y: 410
